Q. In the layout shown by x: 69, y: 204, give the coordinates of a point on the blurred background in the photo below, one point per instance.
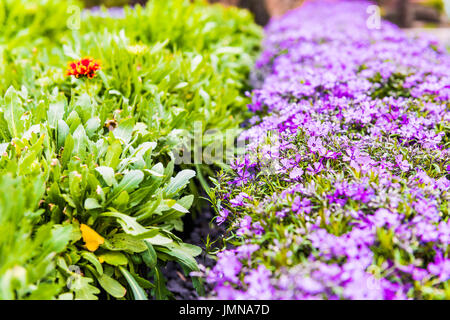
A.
x: 405, y: 13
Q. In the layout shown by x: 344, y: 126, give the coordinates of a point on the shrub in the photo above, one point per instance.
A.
x: 27, y: 267
x: 343, y: 192
x: 169, y: 65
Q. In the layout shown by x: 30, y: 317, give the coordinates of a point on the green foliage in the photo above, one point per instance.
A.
x: 436, y: 4
x: 27, y: 268
x: 96, y: 154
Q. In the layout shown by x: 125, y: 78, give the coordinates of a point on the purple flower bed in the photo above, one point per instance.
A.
x: 113, y: 12
x: 343, y: 192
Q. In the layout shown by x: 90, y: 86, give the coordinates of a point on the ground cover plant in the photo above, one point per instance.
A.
x: 92, y: 107
x: 343, y: 192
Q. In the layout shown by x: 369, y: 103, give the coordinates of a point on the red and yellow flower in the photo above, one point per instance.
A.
x: 85, y: 67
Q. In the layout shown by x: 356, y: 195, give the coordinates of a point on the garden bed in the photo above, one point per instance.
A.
x: 112, y: 124
x: 343, y: 192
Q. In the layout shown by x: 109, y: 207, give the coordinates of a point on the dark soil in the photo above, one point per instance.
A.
x: 196, y: 230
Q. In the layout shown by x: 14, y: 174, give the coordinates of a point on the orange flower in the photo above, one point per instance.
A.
x: 85, y: 67
x: 91, y: 238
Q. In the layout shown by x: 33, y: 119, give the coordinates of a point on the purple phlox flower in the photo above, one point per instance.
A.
x: 257, y: 229
x: 310, y: 285
x: 317, y: 167
x: 425, y: 229
x: 384, y: 217
x: 259, y: 284
x: 361, y: 192
x: 245, y: 226
x: 330, y: 154
x: 282, y: 213
x: 353, y: 156
x: 418, y: 274
x: 422, y: 177
x: 253, y: 120
x: 340, y: 195
x: 296, y: 173
x: 227, y: 292
x: 246, y: 250
x: 366, y: 163
x: 287, y: 163
x: 403, y: 164
x: 238, y: 201
x: 223, y: 215
x: 444, y: 231
x: 227, y: 268
x: 241, y: 168
x: 427, y: 208
x: 440, y: 266
x: 315, y: 145
x: 329, y: 97
x: 443, y: 184
x: 301, y: 206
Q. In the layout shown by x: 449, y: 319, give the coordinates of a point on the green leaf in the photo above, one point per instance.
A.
x: 68, y: 148
x: 147, y: 234
x: 112, y: 286
x: 191, y: 249
x: 91, y: 203
x: 179, y: 208
x: 186, y: 201
x: 129, y: 224
x: 66, y: 296
x: 80, y: 140
x: 63, y: 131
x: 149, y: 256
x: 43, y: 291
x: 114, y: 258
x: 124, y: 131
x: 161, y: 291
x: 179, y: 182
x: 92, y: 258
x: 60, y: 238
x: 84, y: 105
x: 83, y: 289
x: 92, y: 126
x: 143, y: 149
x: 159, y: 240
x: 112, y: 158
x: 143, y: 283
x: 30, y: 157
x: 154, y: 173
x: 107, y: 174
x: 182, y: 254
x: 13, y: 113
x: 138, y: 292
x: 121, y: 201
x: 130, y: 181
x: 124, y: 242
x: 56, y: 111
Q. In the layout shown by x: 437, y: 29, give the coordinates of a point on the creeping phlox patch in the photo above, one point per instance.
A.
x: 357, y: 205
